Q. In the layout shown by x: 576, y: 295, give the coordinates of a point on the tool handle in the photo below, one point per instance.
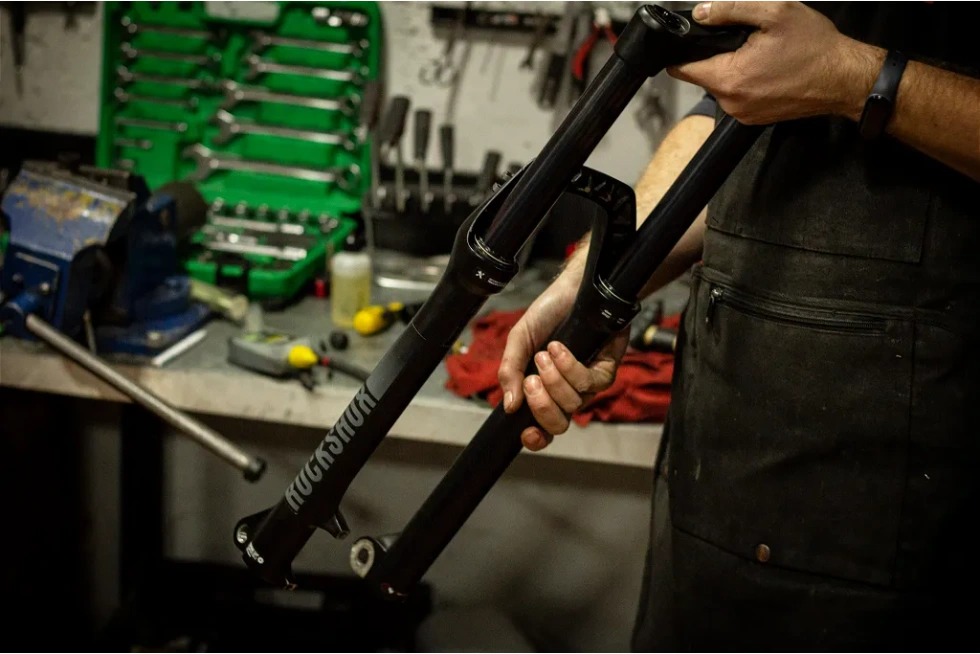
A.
x: 393, y: 125
x: 490, y: 172
x: 552, y: 80
x: 370, y: 104
x: 446, y: 142
x: 423, y: 128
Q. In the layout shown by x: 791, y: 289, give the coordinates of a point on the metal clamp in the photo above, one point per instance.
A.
x: 207, y: 60
x: 230, y: 127
x: 209, y: 162
x: 126, y: 76
x: 339, y: 17
x: 123, y: 96
x: 261, y: 41
x: 235, y: 93
x: 258, y: 66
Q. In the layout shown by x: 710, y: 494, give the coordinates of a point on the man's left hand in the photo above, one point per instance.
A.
x: 795, y: 65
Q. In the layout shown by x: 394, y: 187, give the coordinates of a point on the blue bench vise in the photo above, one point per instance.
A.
x: 95, y: 241
x: 93, y: 247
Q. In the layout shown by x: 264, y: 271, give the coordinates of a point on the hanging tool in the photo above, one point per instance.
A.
x: 230, y: 126
x: 236, y: 93
x: 601, y: 26
x: 134, y: 28
x: 209, y: 61
x: 488, y: 176
x: 443, y: 71
x: 125, y: 97
x: 423, y: 128
x: 561, y: 45
x: 390, y: 136
x: 620, y: 263
x: 146, y: 123
x: 18, y: 26
x: 209, y: 162
x: 126, y: 76
x: 446, y: 138
x: 258, y: 67
x: 540, y: 31
x: 263, y: 40
x: 377, y: 318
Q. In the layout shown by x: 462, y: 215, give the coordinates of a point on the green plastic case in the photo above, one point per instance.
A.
x: 140, y: 41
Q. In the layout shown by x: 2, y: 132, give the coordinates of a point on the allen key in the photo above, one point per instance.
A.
x: 235, y: 93
x: 258, y: 66
x: 126, y: 76
x: 231, y: 127
x: 132, y: 53
x: 261, y: 41
x: 122, y: 96
x: 208, y: 161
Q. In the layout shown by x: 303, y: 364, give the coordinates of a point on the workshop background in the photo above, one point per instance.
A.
x: 551, y: 560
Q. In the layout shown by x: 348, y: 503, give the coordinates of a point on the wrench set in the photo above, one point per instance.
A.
x: 262, y: 106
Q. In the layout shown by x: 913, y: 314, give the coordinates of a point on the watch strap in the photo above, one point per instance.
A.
x: 880, y: 103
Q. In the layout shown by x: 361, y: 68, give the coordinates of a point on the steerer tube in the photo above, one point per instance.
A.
x: 498, y: 442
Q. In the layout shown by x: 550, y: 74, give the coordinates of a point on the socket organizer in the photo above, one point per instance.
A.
x: 258, y: 103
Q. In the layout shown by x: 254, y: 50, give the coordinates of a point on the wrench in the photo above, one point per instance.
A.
x: 231, y: 127
x: 235, y: 93
x: 140, y: 144
x: 135, y: 28
x: 151, y: 124
x: 209, y: 161
x: 339, y: 17
x: 122, y: 96
x: 261, y: 41
x: 126, y: 76
x: 258, y: 66
x: 132, y: 53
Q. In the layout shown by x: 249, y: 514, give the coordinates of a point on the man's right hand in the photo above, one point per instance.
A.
x: 563, y: 384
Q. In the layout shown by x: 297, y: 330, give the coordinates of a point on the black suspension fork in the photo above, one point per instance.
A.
x: 483, y: 261
x: 615, y: 273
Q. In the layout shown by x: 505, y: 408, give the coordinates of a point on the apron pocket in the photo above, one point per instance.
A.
x: 794, y: 432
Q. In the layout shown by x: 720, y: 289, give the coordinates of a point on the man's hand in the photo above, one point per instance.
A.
x: 563, y: 384
x: 795, y: 65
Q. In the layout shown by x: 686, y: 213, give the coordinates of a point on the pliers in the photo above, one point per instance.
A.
x: 601, y: 26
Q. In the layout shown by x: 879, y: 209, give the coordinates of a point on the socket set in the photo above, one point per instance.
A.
x: 261, y: 104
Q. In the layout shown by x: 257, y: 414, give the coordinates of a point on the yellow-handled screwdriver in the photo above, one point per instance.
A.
x: 377, y: 318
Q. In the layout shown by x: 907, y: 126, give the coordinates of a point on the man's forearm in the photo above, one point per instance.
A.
x: 936, y: 112
x: 675, y: 152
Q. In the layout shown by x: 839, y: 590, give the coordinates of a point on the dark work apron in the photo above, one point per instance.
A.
x: 819, y: 488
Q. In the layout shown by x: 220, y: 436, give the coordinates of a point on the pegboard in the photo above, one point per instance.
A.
x: 496, y: 101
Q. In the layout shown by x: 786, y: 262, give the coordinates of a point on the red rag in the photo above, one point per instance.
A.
x: 641, y: 392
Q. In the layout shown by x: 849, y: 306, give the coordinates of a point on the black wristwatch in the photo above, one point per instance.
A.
x: 881, y: 102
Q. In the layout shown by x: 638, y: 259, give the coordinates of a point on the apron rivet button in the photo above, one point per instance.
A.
x: 762, y: 553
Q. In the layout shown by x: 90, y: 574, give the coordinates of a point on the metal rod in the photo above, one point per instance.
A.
x: 211, y: 440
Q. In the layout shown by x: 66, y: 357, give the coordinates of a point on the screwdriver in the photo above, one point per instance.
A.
x: 446, y: 141
x: 18, y: 21
x: 392, y: 128
x: 377, y: 318
x: 423, y: 126
x: 488, y: 176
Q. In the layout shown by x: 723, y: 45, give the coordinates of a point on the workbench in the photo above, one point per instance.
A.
x: 202, y: 381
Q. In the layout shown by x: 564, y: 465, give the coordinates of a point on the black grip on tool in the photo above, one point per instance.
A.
x: 446, y: 138
x: 370, y: 104
x: 393, y: 125
x: 552, y: 80
x: 489, y: 174
x: 423, y: 127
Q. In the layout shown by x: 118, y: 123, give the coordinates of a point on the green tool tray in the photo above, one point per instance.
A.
x: 171, y: 68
